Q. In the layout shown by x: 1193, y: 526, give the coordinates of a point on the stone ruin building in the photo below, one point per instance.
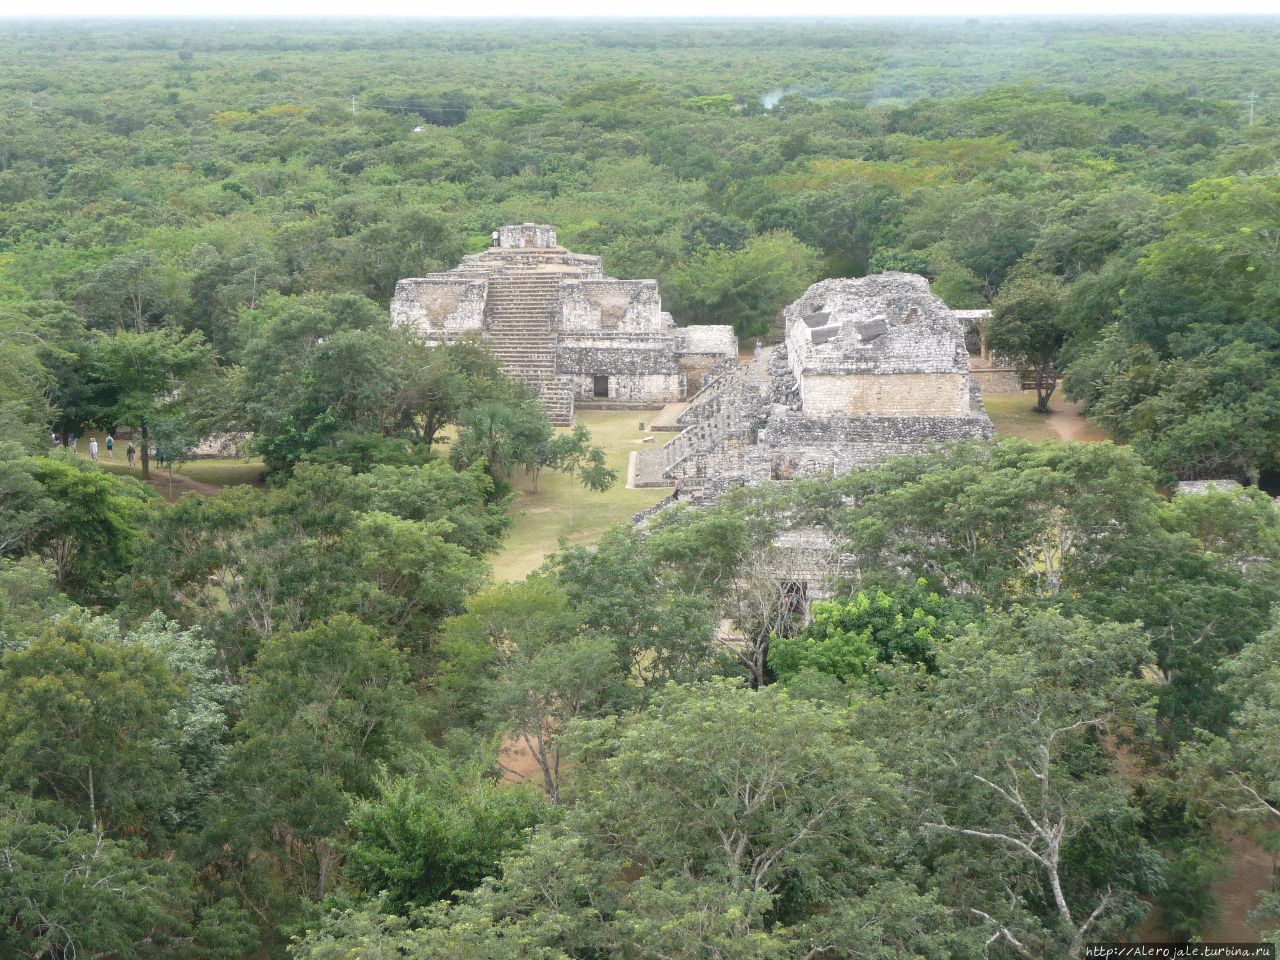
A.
x: 560, y: 325
x: 871, y: 368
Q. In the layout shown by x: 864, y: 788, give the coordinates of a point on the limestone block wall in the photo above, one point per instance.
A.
x: 920, y: 347
x: 710, y: 339
x: 886, y: 395
x: 638, y: 389
x: 972, y: 322
x: 696, y: 367
x: 1001, y: 380
x: 627, y: 306
x: 497, y: 261
x: 799, y: 345
x: 614, y: 356
x: 888, y: 322
x: 639, y: 369
x: 517, y: 235
x: 796, y: 445
x: 439, y: 304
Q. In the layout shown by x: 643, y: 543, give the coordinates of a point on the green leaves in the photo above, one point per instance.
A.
x: 745, y: 288
x: 68, y: 890
x: 90, y: 725
x: 1026, y: 328
x: 844, y: 639
x: 1004, y: 749
x: 138, y: 375
x: 437, y: 832
x: 86, y: 524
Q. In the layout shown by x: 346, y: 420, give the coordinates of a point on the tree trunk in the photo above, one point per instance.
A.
x: 1046, y: 382
x: 146, y: 453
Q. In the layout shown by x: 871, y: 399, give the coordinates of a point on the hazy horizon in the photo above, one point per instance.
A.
x: 592, y: 9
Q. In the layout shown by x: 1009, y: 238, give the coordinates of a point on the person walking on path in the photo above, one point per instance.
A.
x: 675, y: 494
x: 493, y: 238
x: 759, y: 347
x: 130, y: 452
x: 93, y: 448
x: 111, y: 445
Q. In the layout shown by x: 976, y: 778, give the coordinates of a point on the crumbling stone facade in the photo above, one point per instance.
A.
x: 563, y: 327
x: 870, y: 369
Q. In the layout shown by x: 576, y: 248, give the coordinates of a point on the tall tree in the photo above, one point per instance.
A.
x: 747, y: 287
x: 90, y: 725
x: 323, y: 710
x: 1005, y: 749
x: 1026, y: 327
x: 139, y: 375
x: 88, y: 525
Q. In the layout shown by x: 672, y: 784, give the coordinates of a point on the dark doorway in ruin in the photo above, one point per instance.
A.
x: 600, y: 388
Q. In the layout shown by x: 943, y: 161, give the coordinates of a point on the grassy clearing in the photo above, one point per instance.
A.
x: 218, y: 473
x: 562, y: 508
x: 1013, y: 417
x: 224, y: 473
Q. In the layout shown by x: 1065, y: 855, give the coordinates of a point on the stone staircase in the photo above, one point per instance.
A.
x: 719, y: 420
x: 517, y: 321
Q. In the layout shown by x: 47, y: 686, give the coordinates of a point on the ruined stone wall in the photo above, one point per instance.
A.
x: 887, y: 395
x: 496, y: 261
x: 696, y: 368
x: 640, y: 369
x: 710, y: 339
x: 972, y: 322
x: 887, y: 323
x: 615, y: 356
x: 648, y: 390
x: 796, y: 445
x: 919, y: 347
x: 702, y: 350
x: 625, y: 306
x: 518, y: 235
x: 439, y: 304
x: 1003, y: 380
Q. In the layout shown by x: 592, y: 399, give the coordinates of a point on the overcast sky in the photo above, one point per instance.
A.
x: 647, y: 8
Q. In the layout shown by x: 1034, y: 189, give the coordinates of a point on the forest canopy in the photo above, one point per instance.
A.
x: 1037, y: 693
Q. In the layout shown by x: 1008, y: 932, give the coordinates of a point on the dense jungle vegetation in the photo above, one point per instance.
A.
x: 282, y: 721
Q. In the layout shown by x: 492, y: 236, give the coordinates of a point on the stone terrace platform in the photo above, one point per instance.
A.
x: 667, y: 421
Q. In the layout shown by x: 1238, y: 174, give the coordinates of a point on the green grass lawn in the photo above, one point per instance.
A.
x: 1013, y: 417
x: 220, y: 473
x: 562, y: 508
x: 224, y: 473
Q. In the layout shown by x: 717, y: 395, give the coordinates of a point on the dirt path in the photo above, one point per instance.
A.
x: 169, y: 488
x: 180, y: 485
x: 1249, y: 872
x: 518, y: 763
x: 1065, y: 417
